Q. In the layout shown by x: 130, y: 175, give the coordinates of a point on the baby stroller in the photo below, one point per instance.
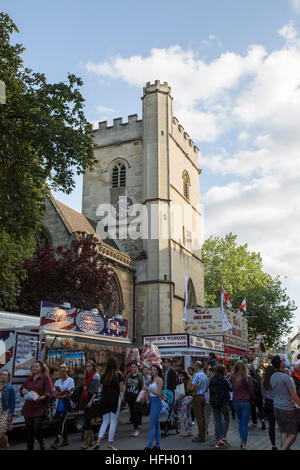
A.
x: 169, y: 420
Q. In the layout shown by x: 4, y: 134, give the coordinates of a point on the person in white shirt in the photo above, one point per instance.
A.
x: 63, y: 389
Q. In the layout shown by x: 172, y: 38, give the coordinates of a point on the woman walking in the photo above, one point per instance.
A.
x: 267, y: 393
x: 37, y: 390
x: 7, y: 407
x: 154, y: 390
x: 243, y: 396
x: 91, y: 385
x: 186, y: 406
x: 111, y: 389
x: 63, y: 389
x: 133, y: 385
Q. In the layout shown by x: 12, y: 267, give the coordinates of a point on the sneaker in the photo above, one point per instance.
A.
x: 224, y: 441
x: 136, y: 433
x: 220, y: 445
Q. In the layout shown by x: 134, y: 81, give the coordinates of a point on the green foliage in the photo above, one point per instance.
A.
x: 45, y: 140
x: 12, y: 256
x: 241, y: 273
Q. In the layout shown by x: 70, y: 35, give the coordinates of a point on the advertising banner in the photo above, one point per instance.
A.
x: 61, y: 319
x: 204, y: 321
x: 206, y: 343
x: 207, y: 322
x: 166, y: 341
x: 26, y: 353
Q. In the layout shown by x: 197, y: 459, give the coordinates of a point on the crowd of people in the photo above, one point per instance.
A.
x: 205, y: 391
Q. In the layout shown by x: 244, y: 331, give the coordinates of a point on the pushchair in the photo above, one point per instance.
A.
x: 169, y: 420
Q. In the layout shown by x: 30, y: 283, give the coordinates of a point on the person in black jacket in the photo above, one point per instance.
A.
x: 170, y: 376
x: 219, y: 392
x: 258, y: 403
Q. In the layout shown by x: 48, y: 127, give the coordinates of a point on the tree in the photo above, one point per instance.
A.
x: 12, y: 270
x: 240, y: 272
x: 78, y: 275
x: 45, y: 140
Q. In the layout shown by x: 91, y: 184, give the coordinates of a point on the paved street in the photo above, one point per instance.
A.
x: 257, y: 439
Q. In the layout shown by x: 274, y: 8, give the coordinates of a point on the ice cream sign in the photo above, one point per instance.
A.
x: 57, y: 318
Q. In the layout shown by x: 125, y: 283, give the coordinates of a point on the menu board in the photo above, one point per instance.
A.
x: 26, y: 353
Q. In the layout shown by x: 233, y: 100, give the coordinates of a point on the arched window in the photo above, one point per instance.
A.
x: 116, y: 306
x: 43, y: 239
x: 119, y: 175
x: 186, y: 185
x: 192, y: 301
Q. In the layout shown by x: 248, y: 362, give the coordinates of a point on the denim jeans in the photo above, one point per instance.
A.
x: 221, y: 421
x: 155, y: 407
x: 243, y: 411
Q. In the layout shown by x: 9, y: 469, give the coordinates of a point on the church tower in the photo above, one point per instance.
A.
x: 153, y: 163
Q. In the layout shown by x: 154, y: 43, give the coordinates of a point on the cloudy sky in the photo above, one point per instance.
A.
x: 234, y: 70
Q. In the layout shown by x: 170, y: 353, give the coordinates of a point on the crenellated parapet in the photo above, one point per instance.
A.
x: 119, y: 132
x: 183, y: 139
x: 157, y: 86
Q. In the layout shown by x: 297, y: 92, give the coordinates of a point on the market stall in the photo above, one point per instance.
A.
x: 73, y: 336
x: 184, y: 348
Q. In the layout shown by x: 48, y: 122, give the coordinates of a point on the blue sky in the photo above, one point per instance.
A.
x: 234, y: 71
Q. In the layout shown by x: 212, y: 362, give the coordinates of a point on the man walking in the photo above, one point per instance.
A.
x: 199, y: 383
x: 284, y: 399
x: 170, y: 376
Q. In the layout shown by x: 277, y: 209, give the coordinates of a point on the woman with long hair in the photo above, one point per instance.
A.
x: 111, y: 395
x: 62, y: 391
x: 243, y: 396
x: 267, y: 393
x: 154, y: 390
x: 7, y: 406
x: 91, y: 385
x: 36, y: 390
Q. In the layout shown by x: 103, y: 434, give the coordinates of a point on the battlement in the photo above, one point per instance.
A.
x: 119, y: 132
x: 183, y: 139
x: 156, y: 86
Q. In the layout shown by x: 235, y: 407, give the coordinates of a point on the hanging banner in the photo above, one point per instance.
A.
x: 204, y: 321
x: 61, y: 319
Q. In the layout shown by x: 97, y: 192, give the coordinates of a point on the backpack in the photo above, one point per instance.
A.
x: 216, y: 394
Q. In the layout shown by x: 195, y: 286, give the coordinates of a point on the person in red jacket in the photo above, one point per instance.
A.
x: 36, y: 390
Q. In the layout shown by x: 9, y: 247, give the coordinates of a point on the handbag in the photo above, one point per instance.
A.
x: 179, y: 392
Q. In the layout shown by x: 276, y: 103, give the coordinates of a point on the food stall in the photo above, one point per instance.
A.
x: 73, y: 336
x: 184, y: 348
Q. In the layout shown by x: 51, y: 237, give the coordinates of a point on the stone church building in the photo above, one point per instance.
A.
x: 149, y: 175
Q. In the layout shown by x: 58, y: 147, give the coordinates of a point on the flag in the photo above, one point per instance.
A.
x: 225, y: 323
x: 186, y: 298
x: 226, y: 298
x: 242, y: 308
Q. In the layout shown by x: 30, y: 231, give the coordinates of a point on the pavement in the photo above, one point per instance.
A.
x: 258, y: 439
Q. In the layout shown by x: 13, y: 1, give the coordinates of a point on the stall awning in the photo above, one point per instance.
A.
x: 84, y: 338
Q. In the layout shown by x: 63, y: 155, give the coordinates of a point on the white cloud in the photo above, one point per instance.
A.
x: 296, y: 5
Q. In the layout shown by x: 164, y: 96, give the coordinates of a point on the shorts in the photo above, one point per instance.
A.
x: 286, y: 420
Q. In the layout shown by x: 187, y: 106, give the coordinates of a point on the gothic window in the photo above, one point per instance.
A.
x: 119, y: 175
x: 186, y: 185
x: 43, y: 239
x: 192, y: 301
x: 116, y: 306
